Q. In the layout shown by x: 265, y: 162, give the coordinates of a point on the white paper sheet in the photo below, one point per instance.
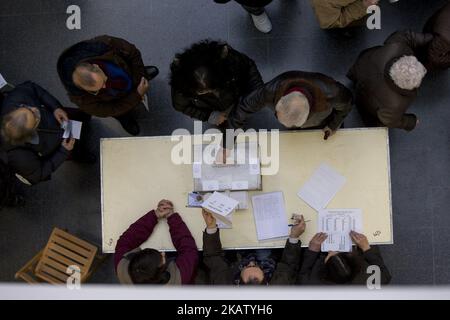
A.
x: 337, y: 224
x: 242, y: 197
x: 210, y: 185
x: 222, y: 225
x: 197, y: 170
x: 72, y: 129
x: 254, y: 168
x: 239, y: 185
x: 220, y: 206
x: 321, y: 188
x: 270, y: 215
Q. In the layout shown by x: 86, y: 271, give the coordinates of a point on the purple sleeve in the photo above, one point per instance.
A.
x: 187, y: 254
x: 135, y: 235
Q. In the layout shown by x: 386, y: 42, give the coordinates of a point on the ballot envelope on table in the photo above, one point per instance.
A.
x: 242, y: 175
x: 221, y: 207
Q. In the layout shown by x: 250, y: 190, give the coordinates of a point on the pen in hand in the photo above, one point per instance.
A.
x: 291, y: 225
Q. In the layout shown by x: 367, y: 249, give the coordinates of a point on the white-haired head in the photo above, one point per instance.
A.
x: 407, y: 72
x: 292, y: 109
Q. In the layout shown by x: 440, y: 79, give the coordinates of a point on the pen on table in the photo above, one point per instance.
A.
x: 291, y: 225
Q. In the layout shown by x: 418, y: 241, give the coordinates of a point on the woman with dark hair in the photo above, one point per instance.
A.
x: 341, y: 267
x: 149, y: 266
x: 208, y: 79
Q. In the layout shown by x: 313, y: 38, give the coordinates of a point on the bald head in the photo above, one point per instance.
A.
x: 89, y: 77
x: 19, y: 126
x: 292, y: 110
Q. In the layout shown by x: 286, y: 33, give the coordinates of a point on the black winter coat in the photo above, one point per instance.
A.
x: 245, y: 79
x: 36, y: 162
x: 313, y: 262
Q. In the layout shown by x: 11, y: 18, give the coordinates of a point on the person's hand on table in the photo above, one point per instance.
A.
x: 316, y: 242
x: 328, y: 133
x: 60, y: 116
x: 165, y: 209
x: 209, y: 219
x: 299, y: 226
x: 360, y: 240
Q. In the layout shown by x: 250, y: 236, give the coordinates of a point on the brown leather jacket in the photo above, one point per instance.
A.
x: 106, y: 48
x: 332, y: 100
x: 376, y: 93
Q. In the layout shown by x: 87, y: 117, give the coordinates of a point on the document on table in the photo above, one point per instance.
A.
x: 321, y: 188
x: 220, y: 206
x: 72, y: 129
x: 270, y: 215
x: 337, y: 224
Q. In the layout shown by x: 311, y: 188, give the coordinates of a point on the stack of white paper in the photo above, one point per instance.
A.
x: 270, y: 215
x: 337, y: 224
x: 321, y: 188
x: 220, y: 206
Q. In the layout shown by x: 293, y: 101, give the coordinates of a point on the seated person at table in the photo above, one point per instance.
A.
x: 149, y: 266
x: 32, y: 136
x: 252, y: 269
x: 299, y: 100
x: 341, y: 267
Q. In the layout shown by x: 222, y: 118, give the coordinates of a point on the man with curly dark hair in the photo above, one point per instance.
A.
x: 208, y: 79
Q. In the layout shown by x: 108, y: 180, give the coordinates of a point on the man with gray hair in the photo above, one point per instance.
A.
x: 387, y: 79
x: 299, y: 99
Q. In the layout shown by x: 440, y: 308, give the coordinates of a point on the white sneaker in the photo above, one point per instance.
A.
x: 262, y: 22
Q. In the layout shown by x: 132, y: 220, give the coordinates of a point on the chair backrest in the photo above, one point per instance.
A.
x: 62, y: 251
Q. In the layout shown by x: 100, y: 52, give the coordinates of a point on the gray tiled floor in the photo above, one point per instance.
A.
x: 33, y: 33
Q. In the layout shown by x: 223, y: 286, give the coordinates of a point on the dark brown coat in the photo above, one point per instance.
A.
x: 376, y: 93
x: 105, y: 48
x: 332, y: 101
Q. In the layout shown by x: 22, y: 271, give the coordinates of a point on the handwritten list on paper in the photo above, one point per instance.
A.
x: 270, y: 215
x: 337, y: 224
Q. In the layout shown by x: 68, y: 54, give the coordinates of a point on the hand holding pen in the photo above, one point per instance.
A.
x: 298, y: 227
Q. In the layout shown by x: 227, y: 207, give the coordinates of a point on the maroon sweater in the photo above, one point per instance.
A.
x: 140, y: 231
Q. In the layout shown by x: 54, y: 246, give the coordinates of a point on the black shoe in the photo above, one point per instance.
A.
x: 130, y: 125
x: 151, y: 72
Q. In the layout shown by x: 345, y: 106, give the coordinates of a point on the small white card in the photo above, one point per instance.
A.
x: 239, y: 185
x: 197, y: 170
x: 254, y: 168
x: 210, y: 185
x: 72, y: 129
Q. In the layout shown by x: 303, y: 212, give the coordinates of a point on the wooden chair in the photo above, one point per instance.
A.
x: 62, y: 250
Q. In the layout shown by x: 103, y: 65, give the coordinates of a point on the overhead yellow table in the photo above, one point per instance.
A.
x: 138, y: 172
